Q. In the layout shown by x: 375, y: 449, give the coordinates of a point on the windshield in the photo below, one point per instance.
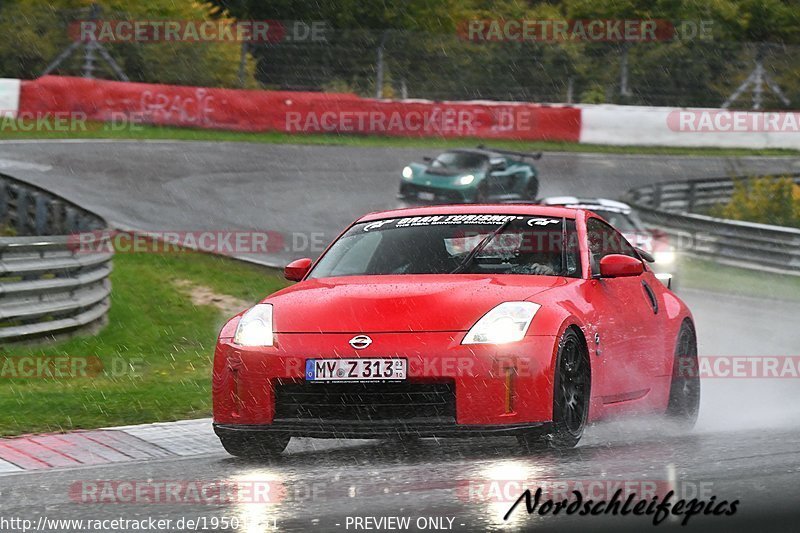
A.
x: 441, y: 244
x: 455, y: 161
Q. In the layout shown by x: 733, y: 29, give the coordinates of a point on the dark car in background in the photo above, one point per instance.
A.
x: 471, y: 175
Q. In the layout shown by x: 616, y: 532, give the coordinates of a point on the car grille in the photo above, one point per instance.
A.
x: 413, y: 189
x: 365, y: 401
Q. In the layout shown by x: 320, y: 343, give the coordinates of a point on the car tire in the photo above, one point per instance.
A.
x: 532, y: 188
x: 254, y: 448
x: 571, y: 394
x: 684, y: 391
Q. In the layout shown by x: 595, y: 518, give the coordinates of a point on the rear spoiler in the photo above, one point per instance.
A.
x: 524, y: 155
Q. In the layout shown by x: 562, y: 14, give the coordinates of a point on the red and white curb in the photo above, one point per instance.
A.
x: 162, y: 440
x: 111, y: 445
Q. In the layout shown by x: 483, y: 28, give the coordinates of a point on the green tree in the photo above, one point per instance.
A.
x: 34, y: 32
x: 767, y: 200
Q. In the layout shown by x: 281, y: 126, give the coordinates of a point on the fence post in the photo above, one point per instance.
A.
x: 22, y: 210
x: 656, y: 200
x: 40, y: 219
x: 691, y: 197
x: 69, y: 220
x: 56, y: 216
x: 3, y: 203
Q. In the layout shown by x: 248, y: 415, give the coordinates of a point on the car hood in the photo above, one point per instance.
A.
x: 372, y: 304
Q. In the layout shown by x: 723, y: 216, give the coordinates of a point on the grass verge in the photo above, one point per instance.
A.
x: 101, y: 131
x: 154, y: 326
x: 707, y: 275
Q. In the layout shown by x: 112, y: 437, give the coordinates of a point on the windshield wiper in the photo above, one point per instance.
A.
x: 479, y: 248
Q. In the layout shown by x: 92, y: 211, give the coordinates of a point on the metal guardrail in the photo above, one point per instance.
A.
x: 670, y: 206
x: 46, y: 288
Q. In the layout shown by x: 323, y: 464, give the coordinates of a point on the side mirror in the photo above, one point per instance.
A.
x: 297, y: 270
x: 620, y: 266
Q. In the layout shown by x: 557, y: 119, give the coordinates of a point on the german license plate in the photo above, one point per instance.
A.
x: 426, y: 195
x: 367, y: 369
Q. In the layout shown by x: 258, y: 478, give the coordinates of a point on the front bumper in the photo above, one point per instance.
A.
x: 376, y: 430
x: 508, y: 386
x: 414, y: 192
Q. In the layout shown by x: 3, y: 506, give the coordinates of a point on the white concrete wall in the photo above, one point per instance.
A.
x: 666, y: 126
x: 9, y: 97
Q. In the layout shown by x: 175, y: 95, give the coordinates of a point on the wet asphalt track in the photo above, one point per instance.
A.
x: 746, y: 446
x: 295, y: 190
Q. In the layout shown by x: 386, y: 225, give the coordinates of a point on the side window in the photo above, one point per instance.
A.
x: 605, y: 240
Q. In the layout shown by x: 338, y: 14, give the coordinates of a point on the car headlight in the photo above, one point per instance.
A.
x: 408, y: 172
x: 255, y: 327
x: 665, y: 257
x: 508, y: 322
x: 466, y: 180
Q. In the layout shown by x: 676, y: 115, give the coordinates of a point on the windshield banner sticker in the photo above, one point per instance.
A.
x: 436, y: 220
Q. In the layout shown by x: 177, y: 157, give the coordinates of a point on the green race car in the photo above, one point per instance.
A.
x: 478, y: 175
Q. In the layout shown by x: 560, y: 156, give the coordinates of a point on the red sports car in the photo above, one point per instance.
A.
x: 452, y: 321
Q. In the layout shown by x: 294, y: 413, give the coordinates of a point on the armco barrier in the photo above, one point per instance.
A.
x: 747, y: 244
x: 47, y: 289
x: 119, y: 103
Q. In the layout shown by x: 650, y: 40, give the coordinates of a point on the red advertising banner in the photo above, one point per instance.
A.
x: 294, y: 112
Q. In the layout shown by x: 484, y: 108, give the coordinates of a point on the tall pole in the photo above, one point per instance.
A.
x: 758, y: 89
x: 624, y: 90
x: 757, y: 78
x: 379, y: 67
x: 570, y: 89
x: 242, y: 64
x: 89, y: 48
